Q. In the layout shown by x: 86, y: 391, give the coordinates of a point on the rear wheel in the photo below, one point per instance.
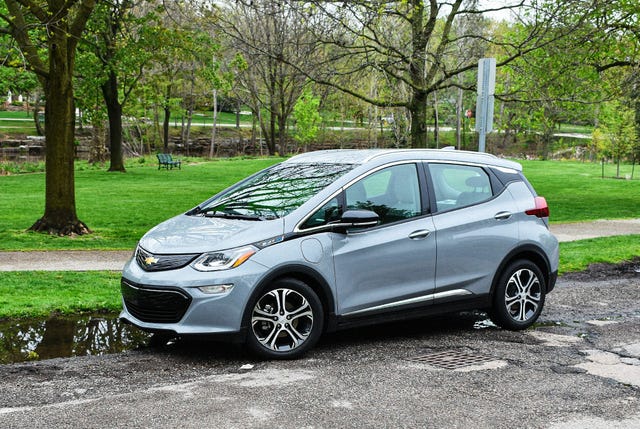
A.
x: 285, y: 320
x: 519, y: 296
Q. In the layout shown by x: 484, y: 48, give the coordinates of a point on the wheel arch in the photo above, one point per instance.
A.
x: 302, y: 273
x: 528, y: 252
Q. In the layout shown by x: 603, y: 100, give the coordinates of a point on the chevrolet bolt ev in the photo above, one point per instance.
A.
x: 334, y: 239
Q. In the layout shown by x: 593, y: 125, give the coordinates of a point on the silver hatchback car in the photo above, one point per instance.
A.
x: 333, y: 239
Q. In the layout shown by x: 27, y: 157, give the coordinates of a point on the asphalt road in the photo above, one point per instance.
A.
x: 579, y: 368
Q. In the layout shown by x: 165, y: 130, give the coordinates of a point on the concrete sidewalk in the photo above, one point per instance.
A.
x: 599, y: 228
x: 94, y: 260
x: 64, y: 260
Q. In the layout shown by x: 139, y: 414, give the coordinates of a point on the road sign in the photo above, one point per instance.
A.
x: 484, y: 103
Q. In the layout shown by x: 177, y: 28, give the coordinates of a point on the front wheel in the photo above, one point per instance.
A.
x: 519, y: 296
x: 285, y: 320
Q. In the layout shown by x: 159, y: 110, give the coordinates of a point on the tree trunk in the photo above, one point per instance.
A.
x: 418, y: 109
x: 36, y: 115
x: 114, y: 112
x: 418, y: 103
x: 238, y: 114
x: 436, y: 120
x: 215, y: 120
x: 459, y: 117
x: 167, y: 118
x: 282, y: 135
x: 190, y: 106
x: 271, y: 138
x: 60, y: 206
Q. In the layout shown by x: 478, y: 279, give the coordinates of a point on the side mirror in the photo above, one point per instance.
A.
x: 356, y: 219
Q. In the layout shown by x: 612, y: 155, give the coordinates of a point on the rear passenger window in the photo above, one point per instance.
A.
x: 458, y: 186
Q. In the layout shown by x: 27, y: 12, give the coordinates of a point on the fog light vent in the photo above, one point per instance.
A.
x: 451, y: 359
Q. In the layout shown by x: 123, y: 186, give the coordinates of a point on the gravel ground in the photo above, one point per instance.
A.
x: 579, y: 367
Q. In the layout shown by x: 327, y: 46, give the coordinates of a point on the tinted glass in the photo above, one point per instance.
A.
x: 459, y: 185
x: 393, y: 193
x: 276, y: 191
x: 327, y: 213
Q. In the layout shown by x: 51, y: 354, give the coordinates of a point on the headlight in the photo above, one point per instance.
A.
x: 224, y: 259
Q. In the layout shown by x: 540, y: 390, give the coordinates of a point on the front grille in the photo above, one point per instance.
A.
x: 153, y: 262
x: 154, y: 305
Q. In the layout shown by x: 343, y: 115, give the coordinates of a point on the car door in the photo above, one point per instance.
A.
x: 476, y: 228
x: 391, y: 265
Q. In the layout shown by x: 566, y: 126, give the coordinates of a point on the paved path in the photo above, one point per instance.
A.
x: 598, y: 228
x: 64, y: 260
x: 91, y: 260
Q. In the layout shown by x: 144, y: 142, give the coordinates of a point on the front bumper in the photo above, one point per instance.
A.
x: 171, y: 301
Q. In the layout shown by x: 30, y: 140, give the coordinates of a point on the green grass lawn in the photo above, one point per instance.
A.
x: 578, y: 255
x: 118, y: 207
x: 577, y: 192
x: 40, y: 293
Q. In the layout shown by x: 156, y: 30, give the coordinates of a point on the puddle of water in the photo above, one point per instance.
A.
x: 484, y: 324
x: 66, y: 336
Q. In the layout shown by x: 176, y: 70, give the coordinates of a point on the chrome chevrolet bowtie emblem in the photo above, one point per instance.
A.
x: 150, y: 260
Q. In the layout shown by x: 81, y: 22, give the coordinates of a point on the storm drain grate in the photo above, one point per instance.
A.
x: 452, y: 359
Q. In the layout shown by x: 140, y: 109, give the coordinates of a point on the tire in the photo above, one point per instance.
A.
x: 519, y: 296
x: 285, y: 320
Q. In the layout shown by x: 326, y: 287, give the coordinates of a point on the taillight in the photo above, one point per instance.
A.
x: 541, y: 209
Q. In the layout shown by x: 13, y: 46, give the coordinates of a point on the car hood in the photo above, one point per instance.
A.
x: 198, y: 234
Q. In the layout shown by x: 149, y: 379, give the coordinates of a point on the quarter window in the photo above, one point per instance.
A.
x: 458, y: 186
x: 329, y: 212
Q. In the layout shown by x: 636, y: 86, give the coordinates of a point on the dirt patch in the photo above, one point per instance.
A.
x: 602, y: 271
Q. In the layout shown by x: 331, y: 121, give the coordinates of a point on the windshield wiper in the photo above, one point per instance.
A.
x: 214, y: 213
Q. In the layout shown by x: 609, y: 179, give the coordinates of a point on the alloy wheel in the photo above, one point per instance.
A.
x: 282, y: 320
x: 522, y: 295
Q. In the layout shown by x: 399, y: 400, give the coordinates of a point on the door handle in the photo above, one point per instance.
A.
x: 419, y: 234
x: 502, y: 216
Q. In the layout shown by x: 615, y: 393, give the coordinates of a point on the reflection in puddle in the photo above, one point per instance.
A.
x: 35, y: 339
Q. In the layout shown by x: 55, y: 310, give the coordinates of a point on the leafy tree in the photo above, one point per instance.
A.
x: 307, y: 117
x: 278, y: 49
x: 47, y: 35
x: 16, y: 78
x: 617, y: 126
x: 122, y: 44
x: 415, y: 43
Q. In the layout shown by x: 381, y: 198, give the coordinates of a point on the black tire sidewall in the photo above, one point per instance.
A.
x: 252, y: 343
x: 499, y: 313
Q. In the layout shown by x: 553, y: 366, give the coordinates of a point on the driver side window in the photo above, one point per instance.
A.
x: 393, y: 193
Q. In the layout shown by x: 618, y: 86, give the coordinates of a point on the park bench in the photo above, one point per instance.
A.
x: 165, y: 160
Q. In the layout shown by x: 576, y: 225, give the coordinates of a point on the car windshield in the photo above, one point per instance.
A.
x: 273, y: 193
